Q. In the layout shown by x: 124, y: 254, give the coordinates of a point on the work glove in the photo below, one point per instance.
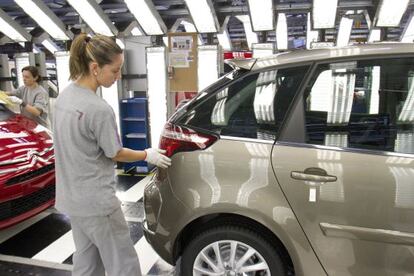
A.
x: 15, y: 100
x: 157, y: 157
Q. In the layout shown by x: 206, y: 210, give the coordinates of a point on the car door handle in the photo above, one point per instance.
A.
x: 314, y: 175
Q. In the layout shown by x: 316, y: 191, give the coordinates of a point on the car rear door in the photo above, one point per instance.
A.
x: 345, y: 164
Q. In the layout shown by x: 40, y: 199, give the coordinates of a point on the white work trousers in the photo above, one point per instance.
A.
x: 103, y: 243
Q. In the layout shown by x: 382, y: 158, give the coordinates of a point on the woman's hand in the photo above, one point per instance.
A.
x: 15, y: 100
x: 157, y: 157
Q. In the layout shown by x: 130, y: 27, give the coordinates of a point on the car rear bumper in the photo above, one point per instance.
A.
x: 156, y: 234
x: 163, y: 216
x: 157, y: 244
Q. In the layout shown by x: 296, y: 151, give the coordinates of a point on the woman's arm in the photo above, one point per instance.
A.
x: 32, y: 110
x: 129, y: 155
x: 151, y: 155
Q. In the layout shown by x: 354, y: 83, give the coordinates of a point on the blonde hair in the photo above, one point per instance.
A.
x: 84, y: 49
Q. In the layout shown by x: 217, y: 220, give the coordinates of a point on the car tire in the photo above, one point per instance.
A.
x: 222, y: 238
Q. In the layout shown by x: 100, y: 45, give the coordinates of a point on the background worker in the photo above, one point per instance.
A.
x: 32, y: 97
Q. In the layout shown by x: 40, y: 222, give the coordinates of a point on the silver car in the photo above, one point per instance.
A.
x: 296, y: 164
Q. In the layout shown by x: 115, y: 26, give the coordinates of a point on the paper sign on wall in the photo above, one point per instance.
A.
x: 179, y: 60
x: 182, y: 57
x: 181, y: 43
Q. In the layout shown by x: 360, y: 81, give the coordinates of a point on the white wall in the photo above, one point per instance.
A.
x: 135, y: 62
x: 5, y: 73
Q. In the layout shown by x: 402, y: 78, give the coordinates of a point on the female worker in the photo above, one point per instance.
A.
x: 87, y: 146
x: 32, y: 97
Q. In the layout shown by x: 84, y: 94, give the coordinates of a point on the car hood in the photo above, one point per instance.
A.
x: 24, y: 146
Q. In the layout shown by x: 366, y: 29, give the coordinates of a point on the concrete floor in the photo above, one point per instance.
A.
x: 43, y: 245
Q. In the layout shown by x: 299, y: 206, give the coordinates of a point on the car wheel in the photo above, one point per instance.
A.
x: 230, y: 251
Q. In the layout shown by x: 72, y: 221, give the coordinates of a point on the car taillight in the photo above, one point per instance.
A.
x: 177, y: 139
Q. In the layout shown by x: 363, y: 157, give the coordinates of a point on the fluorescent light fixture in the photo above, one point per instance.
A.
x: 165, y: 40
x: 407, y: 112
x: 321, y: 93
x: 398, y: 159
x: 147, y: 16
x: 259, y: 166
x: 408, y: 34
x: 120, y: 43
x: 390, y: 12
x: 322, y: 45
x: 281, y: 32
x: 258, y: 150
x: 263, y: 49
x: 344, y: 32
x: 261, y: 13
x: 46, y: 19
x: 11, y: 29
x: 250, y: 35
x: 404, y: 143
x: 208, y: 67
x: 375, y: 88
x: 336, y: 139
x: 374, y: 35
x: 311, y: 36
x: 136, y: 31
x: 264, y: 97
x: 340, y: 107
x: 189, y: 27
x: 50, y: 45
x: 22, y: 60
x: 110, y: 95
x: 204, y: 15
x: 218, y: 116
x: 94, y: 16
x: 62, y: 69
x: 157, y: 91
x: 224, y: 40
x: 36, y: 49
x: 207, y: 162
x: 324, y: 13
x: 403, y: 177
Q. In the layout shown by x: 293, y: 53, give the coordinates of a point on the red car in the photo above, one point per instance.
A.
x: 27, y: 168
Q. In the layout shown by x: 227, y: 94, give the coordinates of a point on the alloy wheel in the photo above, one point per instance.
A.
x: 229, y: 258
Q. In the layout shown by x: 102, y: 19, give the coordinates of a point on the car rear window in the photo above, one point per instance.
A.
x: 254, y: 106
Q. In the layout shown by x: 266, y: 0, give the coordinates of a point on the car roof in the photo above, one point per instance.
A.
x: 322, y: 54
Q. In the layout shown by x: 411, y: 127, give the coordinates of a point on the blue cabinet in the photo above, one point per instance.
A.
x: 135, y: 130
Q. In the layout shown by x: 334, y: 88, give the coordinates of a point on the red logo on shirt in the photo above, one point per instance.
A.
x: 80, y: 114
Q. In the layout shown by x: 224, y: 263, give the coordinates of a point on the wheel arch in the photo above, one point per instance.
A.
x: 213, y: 220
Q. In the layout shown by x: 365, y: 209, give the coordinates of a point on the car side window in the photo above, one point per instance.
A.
x: 252, y: 107
x: 366, y: 104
